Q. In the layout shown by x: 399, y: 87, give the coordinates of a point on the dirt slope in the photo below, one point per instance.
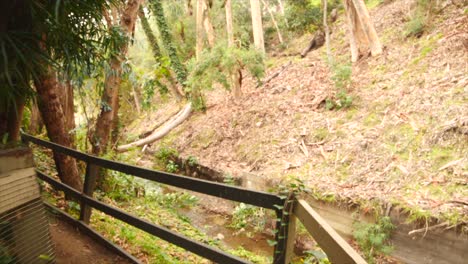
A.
x: 403, y: 141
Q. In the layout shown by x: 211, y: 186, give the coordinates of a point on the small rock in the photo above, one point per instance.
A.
x: 220, y: 236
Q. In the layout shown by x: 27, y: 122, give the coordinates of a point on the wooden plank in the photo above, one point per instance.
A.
x: 92, y: 172
x: 291, y: 239
x: 336, y: 248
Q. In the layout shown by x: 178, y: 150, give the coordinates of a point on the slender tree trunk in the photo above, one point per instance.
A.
x: 199, y: 28
x: 281, y: 7
x: 280, y: 37
x: 176, y: 65
x: 229, y: 24
x: 327, y: 30
x: 65, y: 92
x: 15, y: 116
x: 36, y: 119
x: 257, y: 26
x: 210, y: 33
x: 350, y: 17
x: 157, y: 54
x: 136, y: 98
x: 110, y: 97
x: 235, y: 77
x: 54, y: 120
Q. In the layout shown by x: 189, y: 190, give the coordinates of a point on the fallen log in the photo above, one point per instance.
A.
x: 317, y: 41
x: 276, y: 74
x: 162, y: 131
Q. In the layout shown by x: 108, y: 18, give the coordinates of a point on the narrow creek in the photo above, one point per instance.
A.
x: 215, y: 221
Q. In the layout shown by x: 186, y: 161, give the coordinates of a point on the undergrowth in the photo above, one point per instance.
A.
x: 373, y: 238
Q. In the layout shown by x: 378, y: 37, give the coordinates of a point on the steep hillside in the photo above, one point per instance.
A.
x: 403, y: 141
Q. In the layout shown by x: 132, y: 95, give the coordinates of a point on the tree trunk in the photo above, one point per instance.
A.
x: 36, y: 123
x: 362, y: 33
x: 327, y: 30
x: 176, y: 65
x: 199, y: 28
x: 157, y: 54
x: 235, y: 77
x: 229, y: 24
x: 257, y: 26
x: 210, y: 33
x: 161, y: 132
x: 280, y: 37
x: 281, y: 7
x: 65, y: 92
x: 14, y: 118
x: 110, y: 96
x: 368, y: 27
x: 136, y: 98
x: 54, y: 120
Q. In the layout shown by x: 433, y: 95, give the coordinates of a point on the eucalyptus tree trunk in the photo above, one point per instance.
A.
x: 280, y: 37
x: 362, y: 34
x: 110, y: 96
x: 36, y: 119
x: 210, y: 33
x: 199, y: 27
x: 257, y: 26
x: 235, y: 77
x: 10, y: 120
x: 66, y: 99
x: 54, y: 119
x: 157, y: 53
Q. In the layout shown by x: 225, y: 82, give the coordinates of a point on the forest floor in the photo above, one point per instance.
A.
x: 403, y: 141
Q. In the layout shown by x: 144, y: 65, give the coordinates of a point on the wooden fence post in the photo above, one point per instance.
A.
x: 88, y: 189
x: 291, y: 239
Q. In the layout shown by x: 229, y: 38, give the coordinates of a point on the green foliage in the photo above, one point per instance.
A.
x: 175, y: 200
x: 177, y: 66
x: 192, y: 161
x: 420, y: 19
x: 316, y: 256
x: 247, y: 217
x: 121, y: 187
x: 341, y: 76
x: 166, y: 154
x: 172, y: 167
x: 218, y: 64
x: 373, y: 238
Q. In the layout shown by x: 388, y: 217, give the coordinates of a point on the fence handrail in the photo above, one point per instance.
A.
x: 336, y: 248
x: 225, y: 191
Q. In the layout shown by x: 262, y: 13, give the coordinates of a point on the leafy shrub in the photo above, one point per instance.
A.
x: 165, y: 154
x: 373, y: 238
x: 217, y: 65
x: 248, y: 216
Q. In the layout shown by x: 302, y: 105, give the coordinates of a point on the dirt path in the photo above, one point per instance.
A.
x: 72, y: 247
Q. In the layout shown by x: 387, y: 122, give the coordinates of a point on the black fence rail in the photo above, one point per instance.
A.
x: 85, y: 196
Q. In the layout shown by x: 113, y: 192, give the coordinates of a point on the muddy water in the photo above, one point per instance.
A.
x: 216, y: 226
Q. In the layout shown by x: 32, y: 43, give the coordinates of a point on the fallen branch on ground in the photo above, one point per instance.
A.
x: 161, y: 132
x: 276, y: 74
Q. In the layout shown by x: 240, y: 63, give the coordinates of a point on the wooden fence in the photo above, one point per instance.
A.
x: 337, y: 250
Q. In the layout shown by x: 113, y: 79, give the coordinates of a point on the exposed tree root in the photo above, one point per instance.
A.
x: 162, y: 131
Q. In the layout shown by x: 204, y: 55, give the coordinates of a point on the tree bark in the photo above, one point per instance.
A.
x: 36, y: 119
x: 15, y: 116
x: 281, y: 7
x: 327, y: 30
x: 280, y: 37
x: 257, y: 26
x: 368, y: 27
x: 110, y: 96
x: 65, y: 91
x: 161, y: 132
x: 229, y: 24
x: 235, y: 77
x: 210, y: 33
x: 362, y: 33
x: 54, y: 120
x: 199, y: 28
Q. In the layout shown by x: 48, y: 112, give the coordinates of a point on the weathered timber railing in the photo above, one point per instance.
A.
x: 334, y: 246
